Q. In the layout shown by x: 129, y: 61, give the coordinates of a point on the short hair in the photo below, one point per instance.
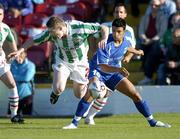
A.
x: 120, y: 5
x: 119, y: 22
x: 55, y: 21
x: 1, y: 7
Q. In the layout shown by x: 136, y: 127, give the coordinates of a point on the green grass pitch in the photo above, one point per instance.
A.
x: 128, y: 126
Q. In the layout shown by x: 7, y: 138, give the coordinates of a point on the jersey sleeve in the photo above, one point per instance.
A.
x: 42, y: 37
x: 86, y: 28
x: 10, y: 36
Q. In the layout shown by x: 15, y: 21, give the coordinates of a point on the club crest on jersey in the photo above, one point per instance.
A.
x: 77, y: 40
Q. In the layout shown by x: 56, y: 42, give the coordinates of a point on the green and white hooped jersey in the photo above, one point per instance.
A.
x: 75, y: 47
x: 5, y: 34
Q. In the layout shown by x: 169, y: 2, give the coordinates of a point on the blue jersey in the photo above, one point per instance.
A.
x: 110, y: 55
x: 23, y: 74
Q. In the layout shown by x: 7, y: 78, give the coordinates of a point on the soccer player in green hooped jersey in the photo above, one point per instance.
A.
x: 70, y: 39
x: 6, y: 37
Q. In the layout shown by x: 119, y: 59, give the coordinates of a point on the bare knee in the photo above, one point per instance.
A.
x: 58, y: 90
x: 79, y: 95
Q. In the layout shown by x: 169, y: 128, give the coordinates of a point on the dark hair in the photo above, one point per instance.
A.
x: 119, y: 22
x: 54, y: 21
x: 120, y: 5
x: 1, y: 6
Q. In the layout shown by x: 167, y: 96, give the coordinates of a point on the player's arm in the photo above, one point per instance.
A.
x: 24, y: 47
x: 38, y: 39
x: 104, y: 36
x: 108, y: 68
x: 128, y: 57
x: 134, y: 51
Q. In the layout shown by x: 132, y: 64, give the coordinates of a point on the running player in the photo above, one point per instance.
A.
x: 7, y: 40
x: 70, y: 39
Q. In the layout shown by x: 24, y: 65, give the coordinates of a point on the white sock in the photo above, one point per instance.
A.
x: 96, y: 107
x: 13, y: 101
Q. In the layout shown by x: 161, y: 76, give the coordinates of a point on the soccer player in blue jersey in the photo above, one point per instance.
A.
x: 120, y: 11
x: 105, y: 70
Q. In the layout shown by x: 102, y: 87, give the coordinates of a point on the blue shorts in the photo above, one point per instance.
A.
x: 109, y: 79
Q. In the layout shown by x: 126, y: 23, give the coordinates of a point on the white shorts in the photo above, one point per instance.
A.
x: 4, y: 67
x: 78, y: 72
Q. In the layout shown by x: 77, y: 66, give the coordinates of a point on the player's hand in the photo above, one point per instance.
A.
x: 102, y: 44
x: 172, y: 64
x: 124, y: 72
x: 140, y: 52
x: 126, y: 59
x: 15, y: 54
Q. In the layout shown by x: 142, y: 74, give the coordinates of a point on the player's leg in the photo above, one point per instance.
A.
x: 8, y: 80
x: 82, y: 107
x: 84, y: 104
x: 79, y: 75
x: 60, y: 76
x: 127, y: 88
x: 79, y: 89
x: 96, y: 107
x: 27, y: 105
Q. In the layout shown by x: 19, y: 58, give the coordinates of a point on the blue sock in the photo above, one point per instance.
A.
x: 143, y: 108
x: 81, y: 109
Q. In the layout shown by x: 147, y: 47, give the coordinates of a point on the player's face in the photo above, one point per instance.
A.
x: 58, y: 32
x: 20, y: 59
x: 118, y: 33
x: 1, y: 15
x: 120, y: 12
x: 155, y: 5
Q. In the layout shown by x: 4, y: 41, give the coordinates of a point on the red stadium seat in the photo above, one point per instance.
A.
x: 66, y: 16
x: 11, y: 21
x: 79, y: 10
x: 28, y: 32
x: 57, y: 2
x: 36, y: 20
x: 41, y: 56
x: 45, y: 8
x: 94, y: 4
x: 61, y: 2
x: 94, y: 7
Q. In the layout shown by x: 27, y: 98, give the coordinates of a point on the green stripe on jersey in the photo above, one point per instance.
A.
x: 10, y: 36
x: 86, y: 26
x: 68, y: 52
x: 42, y: 38
x: 57, y: 49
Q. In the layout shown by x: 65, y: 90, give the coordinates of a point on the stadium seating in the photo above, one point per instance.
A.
x: 45, y: 8
x: 78, y: 9
x: 66, y: 16
x: 57, y: 2
x: 35, y: 19
x: 41, y: 56
x: 11, y: 21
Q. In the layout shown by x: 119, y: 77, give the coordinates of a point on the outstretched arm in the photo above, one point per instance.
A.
x: 24, y: 47
x: 134, y: 51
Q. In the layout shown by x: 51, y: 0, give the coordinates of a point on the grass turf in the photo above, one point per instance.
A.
x: 132, y: 126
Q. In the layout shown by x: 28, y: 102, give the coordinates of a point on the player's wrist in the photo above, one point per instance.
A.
x: 21, y: 50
